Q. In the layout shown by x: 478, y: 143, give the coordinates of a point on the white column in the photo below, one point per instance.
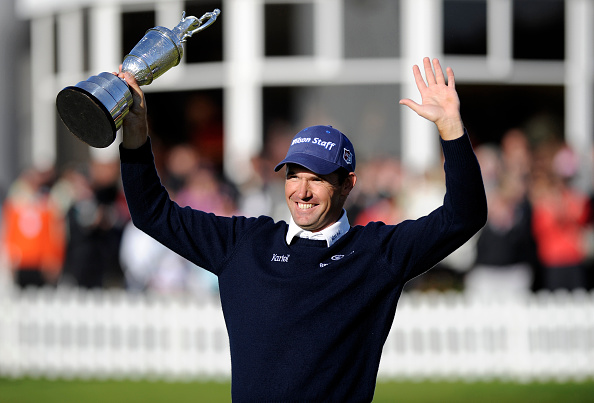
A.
x: 105, y: 34
x: 421, y: 23
x: 499, y: 36
x: 579, y: 84
x: 13, y: 104
x: 105, y: 31
x: 329, y: 34
x: 168, y: 14
x: 70, y: 43
x: 243, y: 47
x: 43, y: 106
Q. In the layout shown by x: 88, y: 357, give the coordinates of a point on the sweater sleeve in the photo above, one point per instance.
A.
x: 414, y: 246
x: 203, y: 238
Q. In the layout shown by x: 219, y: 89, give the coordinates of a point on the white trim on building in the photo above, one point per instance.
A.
x: 244, y: 70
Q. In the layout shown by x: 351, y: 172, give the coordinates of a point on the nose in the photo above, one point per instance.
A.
x: 303, y: 191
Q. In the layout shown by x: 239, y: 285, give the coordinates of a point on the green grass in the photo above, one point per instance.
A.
x: 484, y: 392
x: 46, y: 391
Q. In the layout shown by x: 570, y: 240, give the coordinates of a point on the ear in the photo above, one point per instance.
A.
x: 348, y: 184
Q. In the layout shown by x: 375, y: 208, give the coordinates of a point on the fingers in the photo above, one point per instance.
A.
x: 429, y: 75
x: 438, y: 96
x: 130, y: 80
x: 138, y: 103
x: 439, y: 76
x: 451, y: 80
x: 433, y: 74
x: 419, y: 78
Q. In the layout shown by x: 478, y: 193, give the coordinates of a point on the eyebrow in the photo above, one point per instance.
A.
x: 330, y: 178
x: 291, y: 169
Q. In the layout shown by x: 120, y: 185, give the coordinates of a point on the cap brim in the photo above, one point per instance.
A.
x: 313, y: 163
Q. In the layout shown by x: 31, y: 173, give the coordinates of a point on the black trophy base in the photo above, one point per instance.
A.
x: 86, y: 117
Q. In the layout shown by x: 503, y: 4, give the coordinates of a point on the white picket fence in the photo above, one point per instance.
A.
x: 69, y: 333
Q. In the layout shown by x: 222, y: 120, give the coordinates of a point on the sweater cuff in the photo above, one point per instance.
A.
x: 457, y: 151
x: 140, y: 155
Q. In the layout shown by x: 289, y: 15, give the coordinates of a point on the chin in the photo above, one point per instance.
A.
x: 306, y: 226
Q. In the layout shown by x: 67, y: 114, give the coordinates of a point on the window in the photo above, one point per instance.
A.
x: 186, y: 116
x: 371, y: 28
x: 539, y: 30
x: 365, y: 113
x: 490, y: 110
x: 134, y: 26
x: 465, y: 27
x: 289, y: 29
x: 206, y: 46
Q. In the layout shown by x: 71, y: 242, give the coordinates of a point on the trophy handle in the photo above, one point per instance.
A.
x: 200, y: 23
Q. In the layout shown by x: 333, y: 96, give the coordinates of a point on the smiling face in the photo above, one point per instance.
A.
x: 315, y: 201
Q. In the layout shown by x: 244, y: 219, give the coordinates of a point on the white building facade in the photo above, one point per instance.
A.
x: 351, y: 60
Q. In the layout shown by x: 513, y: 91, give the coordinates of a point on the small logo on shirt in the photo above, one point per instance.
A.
x: 279, y: 258
x: 336, y: 236
x: 335, y: 258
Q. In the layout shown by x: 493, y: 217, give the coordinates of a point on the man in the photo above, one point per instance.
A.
x: 308, y: 304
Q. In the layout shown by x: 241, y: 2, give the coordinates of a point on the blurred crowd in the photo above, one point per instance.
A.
x: 72, y: 228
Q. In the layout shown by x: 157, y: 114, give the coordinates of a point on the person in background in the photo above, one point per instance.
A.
x: 33, y: 230
x: 559, y: 220
x: 505, y: 261
x: 95, y: 222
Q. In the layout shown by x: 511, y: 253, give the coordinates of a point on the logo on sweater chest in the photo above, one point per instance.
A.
x: 336, y: 258
x: 280, y: 258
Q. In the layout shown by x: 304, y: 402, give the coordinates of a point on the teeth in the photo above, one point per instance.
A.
x: 305, y: 206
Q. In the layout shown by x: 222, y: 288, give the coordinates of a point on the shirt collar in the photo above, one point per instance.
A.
x: 330, y: 234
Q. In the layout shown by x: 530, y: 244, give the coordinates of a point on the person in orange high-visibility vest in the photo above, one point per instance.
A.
x: 33, y: 232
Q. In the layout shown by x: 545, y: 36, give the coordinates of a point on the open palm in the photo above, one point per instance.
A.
x: 439, y: 100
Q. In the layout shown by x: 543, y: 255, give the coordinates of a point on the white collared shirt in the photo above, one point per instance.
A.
x: 330, y: 234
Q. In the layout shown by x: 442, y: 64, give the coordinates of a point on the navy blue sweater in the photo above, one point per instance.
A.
x: 307, y: 322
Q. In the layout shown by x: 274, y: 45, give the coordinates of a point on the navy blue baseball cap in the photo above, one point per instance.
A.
x: 321, y: 149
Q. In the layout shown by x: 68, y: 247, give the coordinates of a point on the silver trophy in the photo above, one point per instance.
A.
x: 93, y: 110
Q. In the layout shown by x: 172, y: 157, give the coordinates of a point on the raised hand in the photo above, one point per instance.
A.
x: 135, y: 126
x: 439, y: 100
